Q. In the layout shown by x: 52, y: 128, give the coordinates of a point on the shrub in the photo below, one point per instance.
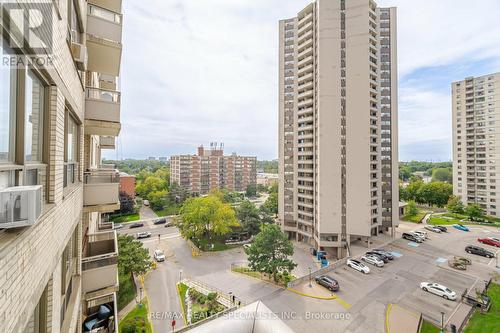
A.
x: 128, y: 326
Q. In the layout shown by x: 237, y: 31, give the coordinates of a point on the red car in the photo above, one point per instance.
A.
x: 490, y: 241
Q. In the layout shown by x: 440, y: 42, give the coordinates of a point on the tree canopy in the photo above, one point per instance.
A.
x: 206, y: 216
x: 270, y: 251
x: 133, y: 257
x: 432, y: 194
x: 248, y: 215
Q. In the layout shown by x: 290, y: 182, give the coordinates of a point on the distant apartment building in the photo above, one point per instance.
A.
x: 58, y: 259
x: 127, y: 184
x: 210, y: 169
x: 267, y: 179
x: 476, y: 141
x: 338, y: 123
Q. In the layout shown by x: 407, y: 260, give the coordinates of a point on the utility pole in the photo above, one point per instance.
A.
x: 442, y: 322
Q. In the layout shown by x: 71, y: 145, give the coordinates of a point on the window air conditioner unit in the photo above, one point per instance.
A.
x: 20, y: 206
x: 79, y: 52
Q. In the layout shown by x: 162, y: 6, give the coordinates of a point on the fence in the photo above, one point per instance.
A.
x: 321, y: 271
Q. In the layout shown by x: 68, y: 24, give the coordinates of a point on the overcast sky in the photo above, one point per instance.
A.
x: 197, y: 71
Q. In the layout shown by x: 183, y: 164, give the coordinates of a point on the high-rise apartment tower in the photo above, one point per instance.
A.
x: 476, y: 113
x: 338, y: 123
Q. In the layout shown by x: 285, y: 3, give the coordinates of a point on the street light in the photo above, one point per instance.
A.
x: 180, y: 275
x: 442, y: 322
x: 310, y: 282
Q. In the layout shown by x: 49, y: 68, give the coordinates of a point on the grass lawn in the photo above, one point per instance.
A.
x: 181, y: 291
x: 488, y: 322
x: 436, y: 220
x: 124, y: 218
x: 261, y: 276
x: 429, y: 328
x: 219, y: 244
x: 126, y: 293
x: 451, y: 218
x: 417, y: 217
x: 170, y: 210
x: 136, y: 320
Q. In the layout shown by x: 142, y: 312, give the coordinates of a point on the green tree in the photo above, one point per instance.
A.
x: 455, y: 205
x: 474, y: 212
x: 411, y: 208
x: 435, y: 194
x: 412, y: 191
x: 273, y: 188
x: 271, y: 205
x: 442, y: 175
x: 248, y: 215
x: 404, y: 173
x: 149, y: 185
x: 133, y: 258
x: 251, y: 191
x: 270, y: 252
x: 127, y: 204
x: 158, y: 199
x: 261, y: 188
x: 205, y: 216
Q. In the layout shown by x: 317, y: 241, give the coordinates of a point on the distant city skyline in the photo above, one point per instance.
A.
x: 214, y: 85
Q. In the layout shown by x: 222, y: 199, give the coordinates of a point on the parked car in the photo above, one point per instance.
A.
x: 117, y: 226
x: 417, y: 235
x: 358, y: 265
x: 411, y: 237
x: 144, y: 234
x: 440, y: 290
x: 442, y: 228
x: 327, y: 282
x: 246, y: 246
x: 463, y: 260
x: 472, y: 249
x: 493, y: 241
x: 460, y: 227
x: 421, y: 233
x: 160, y: 221
x: 159, y: 255
x: 136, y: 225
x: 382, y: 257
x: 146, y: 202
x: 384, y: 252
x: 374, y: 260
x: 433, y: 228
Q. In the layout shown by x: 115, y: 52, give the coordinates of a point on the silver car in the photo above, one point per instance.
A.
x: 372, y: 260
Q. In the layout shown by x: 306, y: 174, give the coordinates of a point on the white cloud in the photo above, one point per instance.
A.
x: 199, y: 71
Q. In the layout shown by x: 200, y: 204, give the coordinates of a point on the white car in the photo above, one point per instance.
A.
x: 159, y: 255
x: 422, y: 233
x: 417, y: 235
x: 439, y: 290
x: 246, y: 246
x: 372, y: 260
x: 146, y: 202
x: 358, y: 265
x: 117, y: 226
x: 433, y: 228
x: 144, y: 234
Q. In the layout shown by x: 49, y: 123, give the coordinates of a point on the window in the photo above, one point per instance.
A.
x: 71, y: 151
x: 33, y: 119
x: 7, y: 110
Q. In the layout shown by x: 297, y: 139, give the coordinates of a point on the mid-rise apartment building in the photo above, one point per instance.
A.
x: 59, y: 110
x: 476, y: 141
x: 338, y: 123
x: 210, y: 169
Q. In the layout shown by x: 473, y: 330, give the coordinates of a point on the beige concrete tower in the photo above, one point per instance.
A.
x: 330, y: 124
x: 476, y: 112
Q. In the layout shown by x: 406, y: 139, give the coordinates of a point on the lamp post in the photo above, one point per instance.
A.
x: 310, y: 282
x: 442, y: 322
x: 180, y: 275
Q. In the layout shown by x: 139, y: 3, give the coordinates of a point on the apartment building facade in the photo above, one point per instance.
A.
x: 210, y: 169
x: 60, y: 109
x: 476, y: 138
x: 338, y: 100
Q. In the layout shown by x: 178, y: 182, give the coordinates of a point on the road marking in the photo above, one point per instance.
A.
x: 334, y: 297
x: 387, y: 312
x: 441, y: 260
x: 396, y: 254
x: 413, y: 244
x: 155, y: 239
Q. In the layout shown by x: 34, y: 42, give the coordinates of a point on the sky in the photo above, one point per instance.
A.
x: 195, y: 72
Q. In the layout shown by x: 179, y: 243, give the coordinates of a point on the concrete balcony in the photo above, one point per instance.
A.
x: 104, y: 39
x: 101, y: 191
x: 102, y: 112
x: 107, y: 142
x: 100, y: 314
x: 100, y: 265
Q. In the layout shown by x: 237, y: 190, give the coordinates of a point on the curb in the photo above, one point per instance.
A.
x: 387, y: 312
x: 331, y: 298
x: 182, y: 304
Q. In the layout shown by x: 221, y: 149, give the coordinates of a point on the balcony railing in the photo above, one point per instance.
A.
x: 100, y: 264
x: 102, y: 112
x: 101, y: 190
x: 104, y: 38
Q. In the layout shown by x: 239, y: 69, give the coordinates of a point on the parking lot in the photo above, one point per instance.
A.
x: 366, y: 297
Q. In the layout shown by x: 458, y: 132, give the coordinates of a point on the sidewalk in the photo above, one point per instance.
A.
x: 130, y: 306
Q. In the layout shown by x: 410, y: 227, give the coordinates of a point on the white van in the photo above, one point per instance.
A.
x: 146, y: 202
